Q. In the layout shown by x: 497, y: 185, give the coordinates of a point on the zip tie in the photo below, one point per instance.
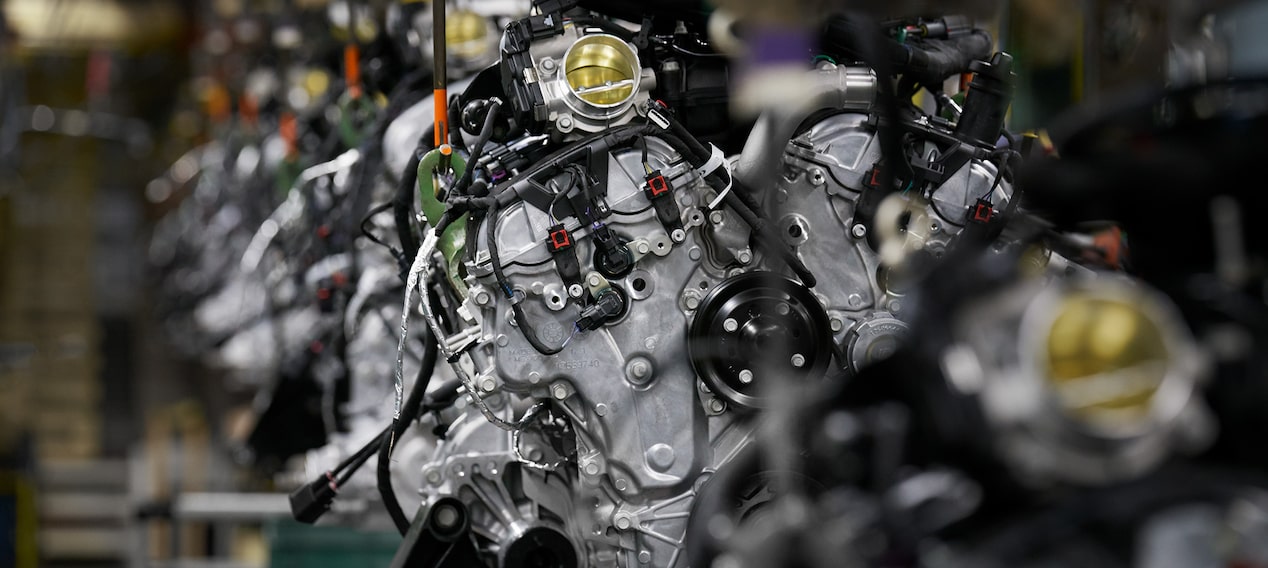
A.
x: 716, y: 160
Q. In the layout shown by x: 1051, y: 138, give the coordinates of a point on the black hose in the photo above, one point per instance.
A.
x: 735, y: 199
x: 403, y: 210
x: 477, y: 150
x: 696, y: 147
x: 409, y: 412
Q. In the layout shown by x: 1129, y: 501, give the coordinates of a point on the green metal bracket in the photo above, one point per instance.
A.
x: 453, y: 242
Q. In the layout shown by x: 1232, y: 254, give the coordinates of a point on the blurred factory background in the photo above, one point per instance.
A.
x: 118, y: 450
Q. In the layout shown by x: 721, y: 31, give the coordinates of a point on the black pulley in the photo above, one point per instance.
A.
x: 540, y: 547
x: 755, y: 328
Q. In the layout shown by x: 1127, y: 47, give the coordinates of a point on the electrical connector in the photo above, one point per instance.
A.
x: 606, y: 307
x: 312, y: 500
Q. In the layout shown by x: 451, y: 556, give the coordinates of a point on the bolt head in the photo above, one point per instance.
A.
x: 623, y: 522
x: 745, y: 257
x: 859, y: 231
x: 716, y: 217
x: 644, y: 557
x: 639, y: 369
x: 621, y: 485
x: 601, y: 409
x: 798, y: 360
x: 693, y: 302
x: 560, y: 392
x: 660, y: 456
x: 854, y: 300
x: 730, y: 325
x: 694, y: 253
x: 592, y: 468
x: 503, y: 340
x: 488, y: 384
x: 644, y: 248
x: 482, y: 298
x: 575, y: 290
x: 594, y: 280
x: 433, y: 477
x: 836, y: 324
x: 678, y: 235
x: 746, y: 376
x: 548, y: 64
x: 716, y: 406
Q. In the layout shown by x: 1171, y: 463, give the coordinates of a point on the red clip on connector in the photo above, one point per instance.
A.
x: 874, y: 177
x: 983, y: 211
x: 559, y: 238
x: 658, y: 185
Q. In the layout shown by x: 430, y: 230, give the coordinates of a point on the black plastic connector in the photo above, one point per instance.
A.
x: 606, y: 307
x: 611, y: 257
x: 311, y: 501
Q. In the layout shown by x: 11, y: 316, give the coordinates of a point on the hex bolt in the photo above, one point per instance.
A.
x: 488, y: 384
x: 639, y: 369
x: 433, y: 477
x: 730, y: 325
x: 644, y: 557
x: 559, y: 391
x: 859, y: 231
x: 836, y: 324
x: 693, y: 302
x: 798, y: 360
x: 745, y: 256
x: 601, y: 409
x: 564, y: 122
x: 854, y: 300
x: 482, y: 298
x: 623, y: 521
x: 548, y: 64
x: 592, y: 468
x: 534, y: 377
x: 621, y: 485
x: 716, y: 406
x: 594, y: 280
x: 746, y: 376
x: 716, y: 217
x: 644, y: 248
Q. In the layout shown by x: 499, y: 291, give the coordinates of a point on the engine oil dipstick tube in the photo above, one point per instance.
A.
x: 440, y: 95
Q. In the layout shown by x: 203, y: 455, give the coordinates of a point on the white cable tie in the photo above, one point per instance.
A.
x: 716, y: 160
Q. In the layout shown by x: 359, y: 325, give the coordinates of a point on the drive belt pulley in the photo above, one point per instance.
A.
x: 756, y: 328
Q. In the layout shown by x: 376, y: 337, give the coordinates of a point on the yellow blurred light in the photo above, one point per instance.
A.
x: 1105, y: 360
x: 466, y: 34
